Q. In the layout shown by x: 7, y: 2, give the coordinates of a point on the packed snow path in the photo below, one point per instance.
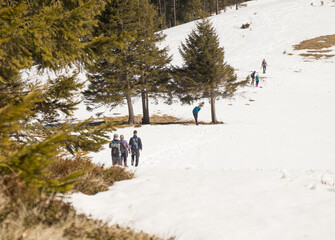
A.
x: 184, y: 186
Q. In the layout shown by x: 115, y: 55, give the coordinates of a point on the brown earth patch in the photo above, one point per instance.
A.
x: 317, y: 43
x: 154, y: 119
x: 316, y: 56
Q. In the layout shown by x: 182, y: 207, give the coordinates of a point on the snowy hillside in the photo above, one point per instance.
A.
x: 269, y: 171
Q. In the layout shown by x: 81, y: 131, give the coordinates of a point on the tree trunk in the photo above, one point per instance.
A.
x: 236, y: 2
x: 213, y: 112
x: 205, y: 8
x: 223, y: 5
x: 145, y: 108
x: 174, y: 13
x: 131, y: 116
x: 165, y: 13
x: 217, y: 7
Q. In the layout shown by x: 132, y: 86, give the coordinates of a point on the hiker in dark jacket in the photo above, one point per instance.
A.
x: 135, y: 144
x: 124, y: 150
x: 115, y: 145
x: 253, y: 75
x: 195, y: 111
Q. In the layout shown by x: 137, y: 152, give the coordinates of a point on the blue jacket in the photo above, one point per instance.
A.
x: 196, y: 109
x: 257, y: 79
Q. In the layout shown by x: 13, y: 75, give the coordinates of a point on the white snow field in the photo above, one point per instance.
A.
x: 269, y: 171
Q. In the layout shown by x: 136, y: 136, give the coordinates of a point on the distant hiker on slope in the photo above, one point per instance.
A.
x: 116, y: 151
x: 257, y: 80
x: 196, y: 110
x: 135, y: 145
x: 124, y: 150
x: 264, y: 64
x: 253, y: 78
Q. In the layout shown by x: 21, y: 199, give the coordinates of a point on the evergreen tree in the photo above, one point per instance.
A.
x: 137, y: 66
x: 204, y: 73
x: 112, y: 75
x: 46, y: 35
x: 151, y: 62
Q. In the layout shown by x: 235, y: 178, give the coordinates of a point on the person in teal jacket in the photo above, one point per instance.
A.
x: 196, y: 110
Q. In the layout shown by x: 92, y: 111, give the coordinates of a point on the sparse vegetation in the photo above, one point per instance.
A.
x: 52, y: 219
x: 316, y: 47
x: 245, y: 26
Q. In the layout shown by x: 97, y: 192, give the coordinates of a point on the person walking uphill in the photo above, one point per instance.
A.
x: 195, y: 111
x: 115, y: 145
x: 264, y: 65
x: 253, y: 75
x: 135, y: 145
x: 124, y: 150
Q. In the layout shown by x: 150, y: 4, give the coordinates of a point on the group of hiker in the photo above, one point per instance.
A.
x: 120, y: 149
x: 253, y: 76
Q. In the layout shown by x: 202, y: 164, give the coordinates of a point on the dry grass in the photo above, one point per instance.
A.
x: 154, y: 119
x: 316, y: 47
x: 27, y: 223
x: 316, y: 56
x: 95, y: 179
x: 317, y: 43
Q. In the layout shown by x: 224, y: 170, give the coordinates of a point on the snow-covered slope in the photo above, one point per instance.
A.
x: 184, y: 186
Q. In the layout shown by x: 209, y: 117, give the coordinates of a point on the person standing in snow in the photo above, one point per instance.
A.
x: 135, y: 145
x: 195, y: 111
x: 124, y: 147
x: 257, y: 80
x: 264, y: 64
x: 115, y: 145
x: 253, y: 78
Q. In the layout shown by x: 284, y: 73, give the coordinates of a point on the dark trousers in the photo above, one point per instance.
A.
x: 257, y: 83
x: 195, y: 115
x: 264, y: 69
x: 124, y: 158
x: 252, y: 81
x: 135, y: 153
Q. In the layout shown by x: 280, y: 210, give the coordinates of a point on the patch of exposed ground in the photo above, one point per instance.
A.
x: 317, y: 47
x: 154, y: 119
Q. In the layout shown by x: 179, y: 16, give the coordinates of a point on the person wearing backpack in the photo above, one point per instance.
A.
x: 264, y: 65
x: 115, y: 145
x: 135, y: 144
x: 253, y: 78
x: 124, y: 150
x: 195, y: 111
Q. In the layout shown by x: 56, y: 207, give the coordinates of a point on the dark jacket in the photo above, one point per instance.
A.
x: 133, y: 141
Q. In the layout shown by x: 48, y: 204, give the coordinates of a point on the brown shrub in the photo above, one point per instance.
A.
x: 55, y: 220
x: 95, y: 178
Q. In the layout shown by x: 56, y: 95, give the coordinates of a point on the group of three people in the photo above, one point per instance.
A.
x: 121, y: 149
x: 256, y: 76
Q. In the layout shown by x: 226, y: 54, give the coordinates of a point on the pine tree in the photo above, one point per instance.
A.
x: 151, y: 62
x: 204, y: 73
x: 46, y: 35
x: 135, y: 67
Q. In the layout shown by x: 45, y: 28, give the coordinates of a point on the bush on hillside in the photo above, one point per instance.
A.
x: 245, y: 25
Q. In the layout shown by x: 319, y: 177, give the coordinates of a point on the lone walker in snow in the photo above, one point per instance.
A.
x: 115, y: 145
x: 196, y: 110
x: 253, y: 75
x: 135, y: 145
x: 264, y: 64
